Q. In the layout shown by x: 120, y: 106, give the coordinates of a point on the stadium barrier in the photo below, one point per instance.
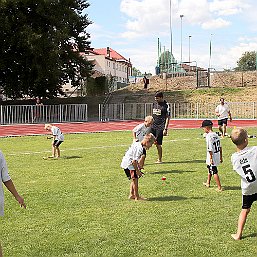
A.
x: 179, y: 110
x: 22, y: 114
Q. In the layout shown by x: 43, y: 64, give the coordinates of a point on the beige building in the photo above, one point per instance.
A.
x: 107, y: 62
x: 111, y: 64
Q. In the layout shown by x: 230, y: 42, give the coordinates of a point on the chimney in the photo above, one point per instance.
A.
x: 108, y: 52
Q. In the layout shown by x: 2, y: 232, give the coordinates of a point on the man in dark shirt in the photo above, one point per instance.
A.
x: 161, y: 115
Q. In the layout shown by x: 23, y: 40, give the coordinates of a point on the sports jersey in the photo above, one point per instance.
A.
x: 141, y: 130
x: 223, y: 111
x: 160, y: 112
x: 4, y: 176
x: 213, y: 145
x: 245, y: 164
x: 134, y: 153
x: 57, y: 133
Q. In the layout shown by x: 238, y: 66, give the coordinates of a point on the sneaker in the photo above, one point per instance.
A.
x: 158, y: 161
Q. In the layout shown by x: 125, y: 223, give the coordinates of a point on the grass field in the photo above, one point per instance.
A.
x: 78, y: 206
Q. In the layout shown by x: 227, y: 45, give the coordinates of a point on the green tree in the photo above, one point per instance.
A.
x: 136, y: 72
x: 247, y: 62
x: 40, y: 46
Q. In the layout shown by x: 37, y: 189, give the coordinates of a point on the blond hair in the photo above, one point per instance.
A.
x: 150, y: 138
x: 238, y: 136
x: 47, y: 126
x: 149, y: 119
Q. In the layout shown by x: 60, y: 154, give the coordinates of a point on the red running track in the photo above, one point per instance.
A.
x: 87, y: 127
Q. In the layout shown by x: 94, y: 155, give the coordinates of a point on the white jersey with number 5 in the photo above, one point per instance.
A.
x: 245, y: 164
x: 213, y: 145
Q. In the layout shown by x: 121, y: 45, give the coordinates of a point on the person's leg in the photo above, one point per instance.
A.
x: 217, y: 179
x: 221, y: 129
x: 241, y: 223
x: 131, y: 191
x: 208, y: 182
x: 53, y: 150
x: 58, y: 152
x: 224, y: 129
x: 135, y: 188
x: 159, y: 150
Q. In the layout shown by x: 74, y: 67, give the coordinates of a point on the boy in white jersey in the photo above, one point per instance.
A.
x: 7, y: 181
x: 138, y: 135
x: 130, y: 164
x: 214, y: 153
x: 244, y: 162
x: 58, y: 138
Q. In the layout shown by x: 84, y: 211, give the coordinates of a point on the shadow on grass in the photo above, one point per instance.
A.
x: 251, y: 235
x: 71, y: 157
x: 169, y: 172
x: 186, y: 161
x: 227, y: 188
x: 168, y: 198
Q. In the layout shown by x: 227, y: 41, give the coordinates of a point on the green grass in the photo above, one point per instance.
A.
x: 78, y: 206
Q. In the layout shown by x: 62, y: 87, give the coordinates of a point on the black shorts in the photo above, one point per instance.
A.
x: 212, y: 169
x: 57, y: 142
x: 131, y: 174
x: 223, y: 121
x: 248, y: 200
x: 144, y: 152
x: 158, y: 133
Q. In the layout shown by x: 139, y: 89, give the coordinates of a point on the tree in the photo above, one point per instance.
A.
x: 40, y: 46
x: 136, y: 72
x: 247, y: 62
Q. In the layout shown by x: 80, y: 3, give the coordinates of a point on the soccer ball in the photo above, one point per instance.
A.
x: 204, y: 135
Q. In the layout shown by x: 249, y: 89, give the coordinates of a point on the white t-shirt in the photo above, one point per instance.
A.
x: 213, y: 145
x: 4, y: 177
x: 141, y: 130
x: 223, y: 111
x: 245, y: 164
x: 134, y: 153
x: 57, y: 133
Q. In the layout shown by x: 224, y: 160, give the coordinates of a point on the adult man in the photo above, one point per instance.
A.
x: 223, y: 112
x: 161, y: 115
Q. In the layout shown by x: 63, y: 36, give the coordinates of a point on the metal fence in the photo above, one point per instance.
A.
x: 131, y: 111
x: 20, y: 114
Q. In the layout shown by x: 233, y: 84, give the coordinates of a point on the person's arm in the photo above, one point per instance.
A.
x: 230, y: 116
x: 217, y: 111
x: 136, y: 167
x: 165, y: 132
x: 221, y: 158
x: 10, y: 186
x: 211, y: 157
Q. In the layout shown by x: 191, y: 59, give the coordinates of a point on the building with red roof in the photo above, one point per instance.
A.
x: 111, y: 64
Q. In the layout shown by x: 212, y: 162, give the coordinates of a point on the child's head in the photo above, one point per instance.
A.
x: 148, y: 140
x: 148, y: 121
x: 48, y: 126
x: 207, y: 126
x: 239, y: 137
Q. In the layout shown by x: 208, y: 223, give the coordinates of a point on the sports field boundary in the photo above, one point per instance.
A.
x: 94, y: 127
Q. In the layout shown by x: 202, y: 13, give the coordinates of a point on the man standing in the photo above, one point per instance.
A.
x: 223, y: 113
x: 161, y: 115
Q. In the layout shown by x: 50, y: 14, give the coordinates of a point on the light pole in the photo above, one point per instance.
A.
x: 189, y: 38
x: 181, y: 17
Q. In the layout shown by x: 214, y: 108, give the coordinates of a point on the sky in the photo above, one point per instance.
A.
x: 132, y: 28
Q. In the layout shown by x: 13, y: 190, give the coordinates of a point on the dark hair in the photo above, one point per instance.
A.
x: 159, y: 94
